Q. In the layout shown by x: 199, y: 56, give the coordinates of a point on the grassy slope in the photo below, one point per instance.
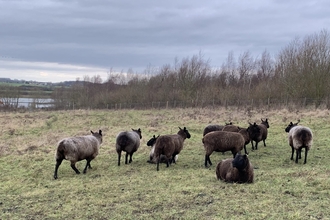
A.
x: 282, y: 189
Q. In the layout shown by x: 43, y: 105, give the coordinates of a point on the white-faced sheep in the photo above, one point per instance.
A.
x: 128, y: 141
x: 170, y: 146
x: 78, y: 148
x: 299, y: 137
x: 211, y: 128
x: 151, y: 143
x: 222, y: 141
x: 258, y: 133
x: 238, y: 170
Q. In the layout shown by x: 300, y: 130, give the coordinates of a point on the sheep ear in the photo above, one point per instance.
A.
x: 92, y: 132
x: 184, y: 128
x: 100, y: 132
x: 154, y: 136
x: 180, y: 128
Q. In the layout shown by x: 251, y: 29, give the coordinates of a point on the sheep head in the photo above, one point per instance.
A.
x: 291, y: 125
x: 184, y: 132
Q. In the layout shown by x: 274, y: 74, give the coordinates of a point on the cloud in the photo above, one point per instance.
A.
x: 125, y: 34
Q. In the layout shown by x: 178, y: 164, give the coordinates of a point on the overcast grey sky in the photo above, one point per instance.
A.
x: 59, y: 40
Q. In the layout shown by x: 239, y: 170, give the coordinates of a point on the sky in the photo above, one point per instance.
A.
x: 61, y: 40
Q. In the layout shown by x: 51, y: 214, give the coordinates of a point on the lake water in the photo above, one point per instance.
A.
x: 27, y: 102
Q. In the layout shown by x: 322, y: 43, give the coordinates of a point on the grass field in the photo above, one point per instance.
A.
x: 186, y: 190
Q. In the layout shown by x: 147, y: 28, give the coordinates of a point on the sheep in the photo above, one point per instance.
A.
x: 299, y: 137
x: 128, y: 141
x: 237, y: 170
x: 221, y: 141
x: 232, y: 128
x: 245, y: 133
x: 210, y: 128
x: 242, y: 131
x: 78, y: 148
x: 151, y: 143
x: 170, y: 146
x: 258, y: 133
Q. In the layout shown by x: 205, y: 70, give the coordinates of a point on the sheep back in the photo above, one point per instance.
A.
x: 238, y: 170
x: 222, y: 141
x: 211, y: 128
x: 79, y: 148
x: 165, y: 145
x: 300, y: 136
x: 128, y: 141
x: 232, y: 128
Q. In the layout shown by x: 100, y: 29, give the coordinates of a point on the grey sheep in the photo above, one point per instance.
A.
x: 151, y: 143
x: 299, y: 137
x: 170, y: 146
x: 258, y: 133
x: 222, y: 141
x: 78, y: 148
x: 211, y: 128
x: 128, y: 141
x: 238, y: 170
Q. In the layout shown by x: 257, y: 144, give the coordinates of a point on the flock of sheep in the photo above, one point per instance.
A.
x: 165, y: 148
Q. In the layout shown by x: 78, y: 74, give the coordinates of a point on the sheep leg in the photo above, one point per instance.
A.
x: 126, y: 157
x: 292, y: 153
x: 207, y: 160
x: 158, y: 161
x: 130, y: 158
x: 297, y: 155
x: 119, y: 155
x: 264, y: 143
x: 73, y: 166
x: 252, y: 145
x: 58, y: 163
x: 306, y: 151
x: 245, y: 150
x: 87, y: 165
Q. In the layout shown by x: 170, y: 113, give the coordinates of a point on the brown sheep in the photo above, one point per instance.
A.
x: 258, y: 133
x: 238, y: 170
x: 170, y: 146
x: 222, y: 141
x: 211, y: 128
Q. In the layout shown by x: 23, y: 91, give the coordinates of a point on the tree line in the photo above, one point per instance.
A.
x: 299, y: 74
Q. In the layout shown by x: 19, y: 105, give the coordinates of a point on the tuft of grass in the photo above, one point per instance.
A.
x: 186, y: 190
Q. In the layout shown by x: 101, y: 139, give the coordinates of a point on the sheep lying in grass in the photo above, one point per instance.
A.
x: 128, y: 141
x: 222, y: 141
x: 151, y: 143
x: 299, y: 137
x: 258, y: 133
x: 211, y: 128
x: 170, y: 146
x: 78, y: 148
x: 237, y: 170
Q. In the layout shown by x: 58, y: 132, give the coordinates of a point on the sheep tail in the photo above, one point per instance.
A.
x: 123, y: 141
x: 305, y: 136
x: 60, y: 151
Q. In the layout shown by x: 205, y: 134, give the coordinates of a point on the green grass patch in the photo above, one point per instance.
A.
x: 186, y: 190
